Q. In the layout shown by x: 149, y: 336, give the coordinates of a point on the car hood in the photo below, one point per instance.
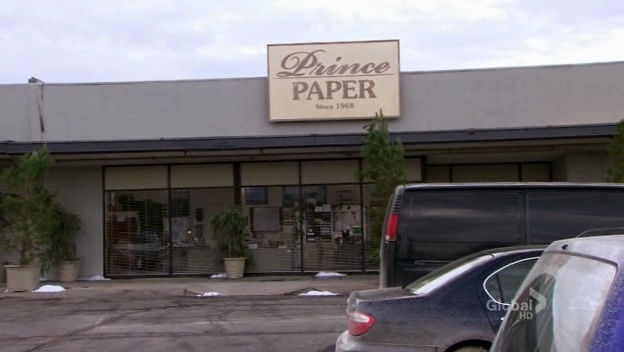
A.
x: 357, y: 297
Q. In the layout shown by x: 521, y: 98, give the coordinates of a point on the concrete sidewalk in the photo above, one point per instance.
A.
x: 248, y: 286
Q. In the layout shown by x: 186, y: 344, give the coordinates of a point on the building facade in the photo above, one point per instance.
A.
x: 147, y: 164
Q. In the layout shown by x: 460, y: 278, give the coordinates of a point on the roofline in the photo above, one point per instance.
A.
x: 241, y: 143
x: 583, y: 64
x: 457, y: 70
x: 123, y: 83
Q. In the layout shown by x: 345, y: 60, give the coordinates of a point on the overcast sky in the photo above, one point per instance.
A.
x: 137, y: 40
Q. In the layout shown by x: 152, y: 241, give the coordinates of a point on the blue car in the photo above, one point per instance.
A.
x: 572, y: 300
x: 457, y: 307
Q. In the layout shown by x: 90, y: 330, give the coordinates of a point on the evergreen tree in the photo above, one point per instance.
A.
x: 384, y: 165
x: 25, y: 206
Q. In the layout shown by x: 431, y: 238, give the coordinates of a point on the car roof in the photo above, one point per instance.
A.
x: 502, y: 251
x: 509, y: 185
x: 602, y: 232
x: 609, y: 248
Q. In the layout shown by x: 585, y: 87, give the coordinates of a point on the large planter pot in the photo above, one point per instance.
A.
x: 234, y: 267
x: 22, y: 277
x: 68, y: 271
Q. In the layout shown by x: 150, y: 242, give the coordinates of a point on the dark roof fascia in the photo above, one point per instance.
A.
x: 313, y: 140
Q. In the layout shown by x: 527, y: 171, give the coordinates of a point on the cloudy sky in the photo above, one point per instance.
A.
x: 136, y: 40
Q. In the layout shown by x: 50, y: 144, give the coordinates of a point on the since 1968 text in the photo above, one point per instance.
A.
x: 337, y: 106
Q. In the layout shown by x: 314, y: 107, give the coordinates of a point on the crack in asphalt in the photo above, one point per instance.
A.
x: 104, y: 321
x: 75, y: 332
x: 223, y: 314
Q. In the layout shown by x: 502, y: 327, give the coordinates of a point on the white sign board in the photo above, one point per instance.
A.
x: 333, y: 81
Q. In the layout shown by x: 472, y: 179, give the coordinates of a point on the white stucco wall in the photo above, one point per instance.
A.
x: 581, y: 167
x: 15, y: 112
x: 80, y: 190
x: 431, y: 101
x: 517, y: 97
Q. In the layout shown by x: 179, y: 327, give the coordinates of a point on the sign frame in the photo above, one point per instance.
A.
x: 353, y: 90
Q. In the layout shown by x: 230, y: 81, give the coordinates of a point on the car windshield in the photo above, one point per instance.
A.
x: 446, y: 274
x: 558, y: 305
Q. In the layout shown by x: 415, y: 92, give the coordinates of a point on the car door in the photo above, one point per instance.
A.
x: 499, y: 288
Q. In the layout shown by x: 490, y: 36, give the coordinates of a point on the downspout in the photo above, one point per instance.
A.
x: 40, y: 109
x: 37, y: 85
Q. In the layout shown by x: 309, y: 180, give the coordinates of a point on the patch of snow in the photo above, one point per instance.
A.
x: 50, y: 288
x: 210, y: 294
x: 94, y: 278
x: 317, y: 293
x: 219, y: 276
x: 323, y: 274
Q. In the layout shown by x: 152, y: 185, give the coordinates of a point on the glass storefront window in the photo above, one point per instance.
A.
x: 332, y: 227
x: 193, y: 247
x: 274, y: 223
x: 297, y: 221
x: 158, y: 232
x: 136, y: 239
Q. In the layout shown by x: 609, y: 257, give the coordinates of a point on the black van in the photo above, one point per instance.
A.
x: 428, y: 225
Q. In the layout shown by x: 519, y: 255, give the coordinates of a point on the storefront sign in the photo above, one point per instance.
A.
x: 338, y: 81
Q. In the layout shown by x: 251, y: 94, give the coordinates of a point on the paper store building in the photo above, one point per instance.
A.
x: 147, y: 164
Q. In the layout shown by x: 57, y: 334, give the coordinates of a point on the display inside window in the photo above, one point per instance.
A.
x: 265, y: 219
x: 256, y: 196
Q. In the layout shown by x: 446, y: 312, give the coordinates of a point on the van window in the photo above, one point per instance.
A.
x: 553, y: 215
x: 456, y: 217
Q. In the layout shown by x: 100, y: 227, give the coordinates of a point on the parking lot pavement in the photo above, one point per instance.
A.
x: 248, y: 286
x: 135, y: 323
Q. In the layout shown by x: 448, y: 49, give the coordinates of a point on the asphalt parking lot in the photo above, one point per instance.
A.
x: 254, y: 314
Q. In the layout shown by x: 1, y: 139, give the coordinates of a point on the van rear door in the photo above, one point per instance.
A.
x: 387, y: 249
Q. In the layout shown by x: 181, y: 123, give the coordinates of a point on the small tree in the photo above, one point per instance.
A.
x: 58, y: 240
x: 616, y: 154
x: 384, y: 165
x: 25, y: 206
x: 229, y: 228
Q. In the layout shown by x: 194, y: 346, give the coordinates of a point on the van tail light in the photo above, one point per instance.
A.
x: 360, y: 323
x: 391, y: 227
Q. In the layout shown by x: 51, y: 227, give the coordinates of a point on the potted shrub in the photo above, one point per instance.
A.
x: 229, y: 229
x: 58, y: 246
x: 25, y: 207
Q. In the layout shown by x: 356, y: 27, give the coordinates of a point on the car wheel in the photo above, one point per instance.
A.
x: 471, y: 349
